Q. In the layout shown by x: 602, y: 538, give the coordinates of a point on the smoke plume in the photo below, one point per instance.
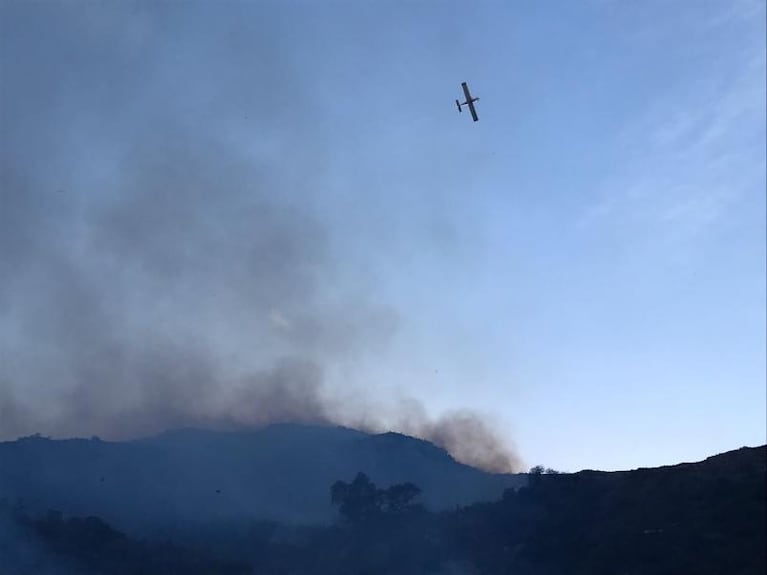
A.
x: 164, y: 260
x: 470, y: 439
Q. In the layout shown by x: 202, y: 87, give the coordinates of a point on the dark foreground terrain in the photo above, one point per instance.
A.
x: 695, y: 518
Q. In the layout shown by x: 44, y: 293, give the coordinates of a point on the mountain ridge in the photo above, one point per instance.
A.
x: 704, y: 517
x: 279, y: 472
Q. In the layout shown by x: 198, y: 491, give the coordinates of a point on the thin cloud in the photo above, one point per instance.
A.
x: 692, y: 155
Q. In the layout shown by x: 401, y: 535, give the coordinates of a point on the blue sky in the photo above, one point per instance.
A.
x: 585, y: 266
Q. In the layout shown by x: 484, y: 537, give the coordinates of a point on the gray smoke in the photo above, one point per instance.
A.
x: 470, y: 439
x: 154, y: 271
x: 467, y: 435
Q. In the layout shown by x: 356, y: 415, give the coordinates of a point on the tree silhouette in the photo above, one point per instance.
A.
x: 361, y: 499
x: 398, y: 497
x: 358, y: 500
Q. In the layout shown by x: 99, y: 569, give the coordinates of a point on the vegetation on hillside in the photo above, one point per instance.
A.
x: 701, y: 518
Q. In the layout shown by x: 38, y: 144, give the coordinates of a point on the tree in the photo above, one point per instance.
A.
x: 361, y: 499
x: 398, y: 497
x: 541, y: 470
x: 357, y: 500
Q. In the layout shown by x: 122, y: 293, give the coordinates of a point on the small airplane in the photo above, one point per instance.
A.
x: 469, y: 101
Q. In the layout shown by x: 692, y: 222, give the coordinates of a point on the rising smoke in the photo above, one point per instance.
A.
x: 161, y: 262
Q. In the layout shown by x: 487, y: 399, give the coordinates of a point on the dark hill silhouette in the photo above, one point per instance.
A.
x: 279, y: 472
x: 708, y: 517
x: 705, y: 518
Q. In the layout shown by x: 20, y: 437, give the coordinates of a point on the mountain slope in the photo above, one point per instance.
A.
x: 705, y: 518
x: 280, y: 472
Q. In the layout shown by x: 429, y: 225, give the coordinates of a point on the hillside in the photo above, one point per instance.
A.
x: 694, y: 518
x: 280, y: 472
x: 704, y: 517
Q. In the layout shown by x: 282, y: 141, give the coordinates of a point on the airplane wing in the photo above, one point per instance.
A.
x: 466, y: 93
x: 473, y: 111
x: 470, y: 101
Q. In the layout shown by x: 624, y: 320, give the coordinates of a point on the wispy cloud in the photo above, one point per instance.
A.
x: 694, y: 151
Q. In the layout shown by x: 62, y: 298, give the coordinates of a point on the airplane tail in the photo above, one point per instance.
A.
x: 457, y: 103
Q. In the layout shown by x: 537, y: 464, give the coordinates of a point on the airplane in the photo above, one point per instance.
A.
x: 469, y: 101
